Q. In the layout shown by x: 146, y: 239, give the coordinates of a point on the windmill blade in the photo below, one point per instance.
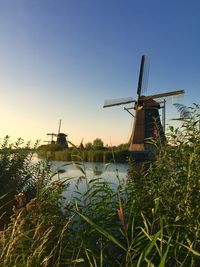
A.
x: 117, y: 102
x: 59, y: 126
x: 141, y: 80
x: 162, y: 95
x: 145, y: 78
x: 53, y: 134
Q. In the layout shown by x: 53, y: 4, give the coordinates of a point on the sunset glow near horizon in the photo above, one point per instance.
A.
x: 62, y: 59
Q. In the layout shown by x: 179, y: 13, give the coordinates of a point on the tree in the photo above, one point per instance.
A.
x: 88, y: 145
x: 98, y: 143
x: 123, y: 146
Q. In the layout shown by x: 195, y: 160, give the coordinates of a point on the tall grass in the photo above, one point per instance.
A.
x: 102, y: 155
x: 152, y: 219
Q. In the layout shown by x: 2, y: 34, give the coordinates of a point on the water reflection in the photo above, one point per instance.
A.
x: 107, y: 171
x: 79, y: 174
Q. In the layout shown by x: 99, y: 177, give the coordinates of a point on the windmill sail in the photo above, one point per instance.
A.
x: 172, y: 93
x: 140, y: 80
x: 143, y: 76
x: 117, y: 102
x: 59, y: 126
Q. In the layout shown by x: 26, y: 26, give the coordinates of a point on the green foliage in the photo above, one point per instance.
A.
x: 88, y: 146
x: 17, y: 174
x: 86, y: 155
x: 98, y: 144
x: 49, y: 151
x: 123, y: 146
x: 168, y: 194
x: 92, y: 152
x: 37, y: 230
x: 158, y: 219
x: 121, y: 156
x: 65, y: 155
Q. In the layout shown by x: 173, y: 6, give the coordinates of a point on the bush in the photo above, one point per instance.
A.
x: 17, y: 174
x: 121, y: 156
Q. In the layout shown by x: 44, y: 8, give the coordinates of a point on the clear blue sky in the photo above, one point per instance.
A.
x: 61, y: 59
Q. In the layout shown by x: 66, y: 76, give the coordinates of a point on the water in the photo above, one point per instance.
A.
x: 92, y: 169
x: 73, y: 172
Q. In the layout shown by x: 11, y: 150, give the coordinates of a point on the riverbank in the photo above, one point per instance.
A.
x: 71, y: 154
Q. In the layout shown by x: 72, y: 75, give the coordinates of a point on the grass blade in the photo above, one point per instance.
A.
x: 102, y: 231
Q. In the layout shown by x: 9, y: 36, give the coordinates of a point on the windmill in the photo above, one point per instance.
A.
x: 61, y: 137
x: 147, y: 123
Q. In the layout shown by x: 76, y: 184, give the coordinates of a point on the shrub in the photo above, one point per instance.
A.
x: 17, y: 174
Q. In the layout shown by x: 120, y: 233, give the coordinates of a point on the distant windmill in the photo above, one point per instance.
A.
x: 147, y: 122
x: 61, y: 137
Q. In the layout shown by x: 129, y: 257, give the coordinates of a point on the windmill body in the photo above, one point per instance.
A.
x: 147, y: 123
x: 61, y: 137
x: 61, y: 140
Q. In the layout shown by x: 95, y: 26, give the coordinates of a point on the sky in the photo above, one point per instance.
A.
x: 60, y: 59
